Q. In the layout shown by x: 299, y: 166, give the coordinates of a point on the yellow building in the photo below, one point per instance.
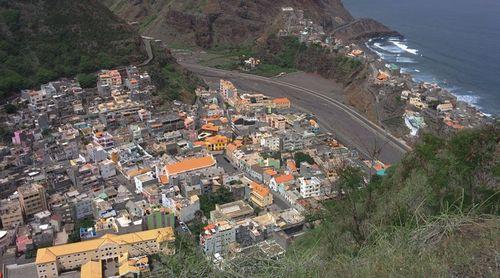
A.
x: 216, y: 143
x: 51, y: 261
x: 417, y: 102
x: 32, y: 199
x: 91, y: 269
x: 261, y: 195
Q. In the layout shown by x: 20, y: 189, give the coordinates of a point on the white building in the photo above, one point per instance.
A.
x: 144, y: 180
x: 271, y: 142
x: 107, y: 169
x: 444, y: 107
x: 184, y: 208
x: 216, y: 238
x: 309, y: 187
x: 104, y: 139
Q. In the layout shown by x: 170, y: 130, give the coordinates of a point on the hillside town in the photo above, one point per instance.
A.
x: 98, y: 180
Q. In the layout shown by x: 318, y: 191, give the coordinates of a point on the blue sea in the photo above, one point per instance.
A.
x: 455, y: 43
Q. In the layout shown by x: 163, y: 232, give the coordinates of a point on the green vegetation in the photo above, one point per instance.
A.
x: 285, y: 54
x: 87, y: 80
x: 173, y: 82
x: 208, y: 201
x: 435, y: 214
x: 43, y: 40
x: 300, y: 157
x: 84, y: 223
x: 5, y: 133
x: 187, y: 262
x: 346, y: 66
x: 10, y: 108
x: 275, y: 155
x: 147, y: 21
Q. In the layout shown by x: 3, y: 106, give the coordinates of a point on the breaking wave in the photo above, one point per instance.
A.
x: 395, y: 50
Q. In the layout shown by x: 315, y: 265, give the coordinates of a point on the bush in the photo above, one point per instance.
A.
x: 10, y: 108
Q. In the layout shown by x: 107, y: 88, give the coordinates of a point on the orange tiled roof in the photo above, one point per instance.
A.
x: 210, y: 127
x: 270, y: 172
x: 378, y: 167
x: 231, y: 147
x: 216, y: 139
x: 163, y: 179
x: 282, y: 100
x: 291, y: 164
x: 238, y: 143
x: 260, y: 189
x: 199, y: 143
x: 212, y: 118
x: 190, y: 164
x: 284, y: 178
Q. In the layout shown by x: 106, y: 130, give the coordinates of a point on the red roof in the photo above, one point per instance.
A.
x: 283, y: 178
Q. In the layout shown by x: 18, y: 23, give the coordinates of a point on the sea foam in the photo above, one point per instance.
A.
x: 404, y: 47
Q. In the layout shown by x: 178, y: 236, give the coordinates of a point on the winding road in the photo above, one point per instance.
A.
x: 348, y: 125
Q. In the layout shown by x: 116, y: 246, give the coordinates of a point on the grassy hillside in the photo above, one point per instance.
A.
x: 435, y: 214
x: 43, y: 40
x: 172, y: 80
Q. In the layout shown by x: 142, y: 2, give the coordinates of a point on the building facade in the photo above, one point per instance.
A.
x: 11, y: 213
x: 32, y: 199
x: 51, y: 261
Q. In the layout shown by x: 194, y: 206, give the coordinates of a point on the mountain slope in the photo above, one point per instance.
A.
x: 43, y: 40
x: 221, y: 23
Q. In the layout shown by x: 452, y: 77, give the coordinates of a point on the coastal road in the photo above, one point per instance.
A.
x: 348, y: 125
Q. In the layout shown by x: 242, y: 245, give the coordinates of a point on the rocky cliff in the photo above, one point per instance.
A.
x: 220, y: 23
x: 361, y: 29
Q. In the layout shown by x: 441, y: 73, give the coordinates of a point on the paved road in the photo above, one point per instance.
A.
x: 149, y: 51
x: 349, y: 126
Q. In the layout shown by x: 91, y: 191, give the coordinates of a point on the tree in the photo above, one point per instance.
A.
x: 45, y: 75
x: 208, y: 201
x: 87, y: 80
x: 300, y: 157
x: 10, y: 108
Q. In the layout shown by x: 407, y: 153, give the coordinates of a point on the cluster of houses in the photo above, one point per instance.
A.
x: 99, y: 179
x: 294, y: 23
x: 261, y: 141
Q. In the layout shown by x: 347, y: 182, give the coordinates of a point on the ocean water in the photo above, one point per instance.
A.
x: 455, y: 43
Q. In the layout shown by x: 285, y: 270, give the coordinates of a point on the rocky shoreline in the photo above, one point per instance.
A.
x: 461, y: 115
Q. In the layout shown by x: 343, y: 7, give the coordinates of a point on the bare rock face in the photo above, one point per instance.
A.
x: 361, y: 29
x: 213, y: 23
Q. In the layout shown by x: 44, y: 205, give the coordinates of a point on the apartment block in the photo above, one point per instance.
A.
x: 11, y: 213
x: 217, y: 237
x: 32, y: 199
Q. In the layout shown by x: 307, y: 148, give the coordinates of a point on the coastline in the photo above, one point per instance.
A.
x: 447, y: 92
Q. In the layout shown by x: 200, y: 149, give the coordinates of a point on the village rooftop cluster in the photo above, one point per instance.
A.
x: 95, y: 181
